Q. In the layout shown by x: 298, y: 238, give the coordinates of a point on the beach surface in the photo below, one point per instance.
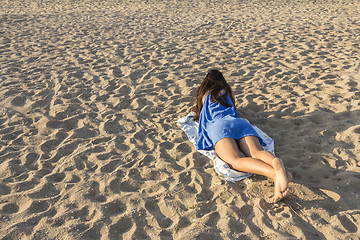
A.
x: 90, y: 92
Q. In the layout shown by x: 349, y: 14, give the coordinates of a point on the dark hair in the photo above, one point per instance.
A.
x: 213, y: 83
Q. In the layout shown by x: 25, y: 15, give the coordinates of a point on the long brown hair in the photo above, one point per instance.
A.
x: 213, y: 83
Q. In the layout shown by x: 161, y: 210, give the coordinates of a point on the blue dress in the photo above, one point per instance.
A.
x: 217, y: 122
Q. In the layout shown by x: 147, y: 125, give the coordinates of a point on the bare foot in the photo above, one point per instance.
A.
x: 282, y: 179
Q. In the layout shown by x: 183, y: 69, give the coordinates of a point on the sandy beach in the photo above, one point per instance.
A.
x: 90, y: 92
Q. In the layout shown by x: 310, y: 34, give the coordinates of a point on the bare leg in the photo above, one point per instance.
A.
x: 228, y: 150
x: 250, y: 146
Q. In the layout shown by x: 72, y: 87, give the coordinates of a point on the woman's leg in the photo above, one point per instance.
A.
x: 228, y: 150
x: 251, y: 147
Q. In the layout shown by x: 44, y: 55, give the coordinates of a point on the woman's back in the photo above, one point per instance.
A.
x: 212, y: 110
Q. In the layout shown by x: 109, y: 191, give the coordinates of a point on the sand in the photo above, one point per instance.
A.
x: 90, y: 90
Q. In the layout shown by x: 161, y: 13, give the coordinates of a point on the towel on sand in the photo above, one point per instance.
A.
x: 190, y: 127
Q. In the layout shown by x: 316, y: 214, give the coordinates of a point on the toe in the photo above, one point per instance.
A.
x: 284, y: 193
x: 274, y: 199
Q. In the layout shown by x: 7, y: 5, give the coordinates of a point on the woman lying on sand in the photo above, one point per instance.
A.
x: 221, y: 128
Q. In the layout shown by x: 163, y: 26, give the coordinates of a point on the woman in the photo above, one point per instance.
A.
x: 221, y: 129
